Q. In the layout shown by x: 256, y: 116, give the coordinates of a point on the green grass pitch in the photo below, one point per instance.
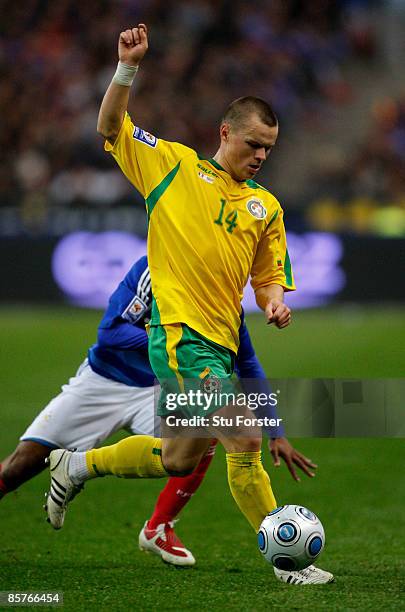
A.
x: 358, y: 491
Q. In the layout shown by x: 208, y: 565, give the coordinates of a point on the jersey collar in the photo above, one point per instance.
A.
x: 216, y: 165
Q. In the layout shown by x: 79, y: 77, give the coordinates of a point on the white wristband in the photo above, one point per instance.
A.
x: 124, y: 75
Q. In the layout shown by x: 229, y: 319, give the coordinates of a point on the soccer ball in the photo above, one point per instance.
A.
x: 291, y: 537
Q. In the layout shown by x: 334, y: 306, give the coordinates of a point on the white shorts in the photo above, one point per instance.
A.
x: 90, y: 408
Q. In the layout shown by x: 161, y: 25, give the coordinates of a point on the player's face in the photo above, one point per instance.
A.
x: 247, y: 147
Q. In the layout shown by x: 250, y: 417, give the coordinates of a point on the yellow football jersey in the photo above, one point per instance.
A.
x: 207, y: 233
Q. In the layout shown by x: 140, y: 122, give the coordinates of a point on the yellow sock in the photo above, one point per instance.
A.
x: 250, y: 486
x: 133, y: 457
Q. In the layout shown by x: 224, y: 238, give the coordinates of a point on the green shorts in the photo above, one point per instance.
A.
x: 183, y: 360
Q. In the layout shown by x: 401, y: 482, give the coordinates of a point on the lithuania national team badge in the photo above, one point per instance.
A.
x: 256, y: 208
x: 211, y: 384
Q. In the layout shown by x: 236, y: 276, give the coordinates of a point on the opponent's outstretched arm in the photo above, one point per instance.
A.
x: 132, y: 46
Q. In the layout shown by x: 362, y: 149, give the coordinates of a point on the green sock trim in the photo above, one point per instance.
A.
x: 93, y: 465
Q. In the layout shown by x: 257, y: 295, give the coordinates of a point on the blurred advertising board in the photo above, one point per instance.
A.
x: 83, y: 268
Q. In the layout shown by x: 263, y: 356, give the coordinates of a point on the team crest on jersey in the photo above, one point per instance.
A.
x: 145, y: 137
x: 135, y: 310
x: 211, y: 384
x: 256, y: 208
x: 205, y: 177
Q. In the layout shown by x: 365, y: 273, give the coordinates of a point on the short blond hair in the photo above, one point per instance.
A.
x: 242, y: 108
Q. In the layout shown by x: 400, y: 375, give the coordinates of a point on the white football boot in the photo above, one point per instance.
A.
x: 62, y: 489
x: 309, y: 575
x: 163, y: 542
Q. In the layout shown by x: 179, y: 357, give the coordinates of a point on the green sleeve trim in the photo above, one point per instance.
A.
x: 287, y: 269
x: 274, y: 217
x: 159, y: 190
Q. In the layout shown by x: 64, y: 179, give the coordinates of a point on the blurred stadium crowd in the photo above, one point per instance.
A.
x: 366, y: 192
x: 57, y: 58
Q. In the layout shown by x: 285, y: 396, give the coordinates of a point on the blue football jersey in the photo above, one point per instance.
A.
x: 121, y: 352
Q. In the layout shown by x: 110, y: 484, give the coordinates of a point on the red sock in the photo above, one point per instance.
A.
x: 178, y: 491
x: 3, y: 487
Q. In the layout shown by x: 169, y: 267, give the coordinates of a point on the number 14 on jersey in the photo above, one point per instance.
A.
x: 230, y: 219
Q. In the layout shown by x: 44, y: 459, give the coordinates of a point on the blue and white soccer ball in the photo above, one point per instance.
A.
x: 291, y: 537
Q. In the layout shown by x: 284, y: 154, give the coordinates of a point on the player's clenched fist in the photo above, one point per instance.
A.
x: 277, y: 312
x: 133, y: 44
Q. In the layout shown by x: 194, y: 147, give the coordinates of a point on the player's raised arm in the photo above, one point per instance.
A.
x: 132, y: 46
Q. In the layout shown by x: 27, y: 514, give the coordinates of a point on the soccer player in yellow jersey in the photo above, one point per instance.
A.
x: 211, y: 226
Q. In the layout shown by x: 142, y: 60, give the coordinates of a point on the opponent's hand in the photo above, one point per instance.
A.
x: 277, y: 312
x: 133, y: 44
x: 280, y: 447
